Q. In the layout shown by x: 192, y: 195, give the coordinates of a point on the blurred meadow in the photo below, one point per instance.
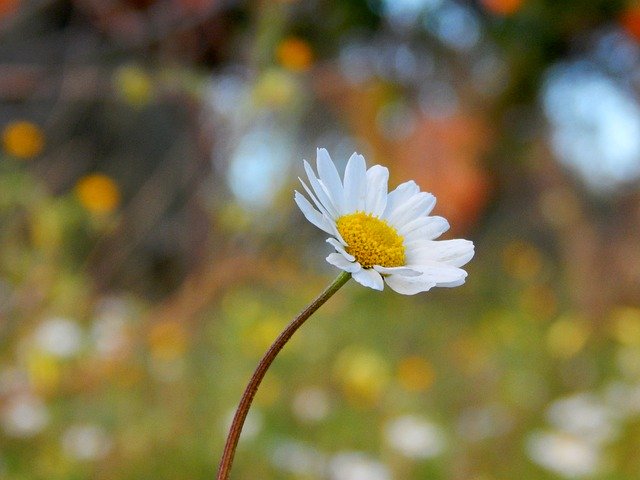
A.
x: 150, y: 248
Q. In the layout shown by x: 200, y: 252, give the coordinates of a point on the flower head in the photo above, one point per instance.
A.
x: 378, y: 236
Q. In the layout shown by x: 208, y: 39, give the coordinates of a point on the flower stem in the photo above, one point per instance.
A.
x: 261, y: 370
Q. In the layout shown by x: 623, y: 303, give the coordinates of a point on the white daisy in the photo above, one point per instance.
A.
x: 379, y: 235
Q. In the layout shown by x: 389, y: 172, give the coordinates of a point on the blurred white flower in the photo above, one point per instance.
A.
x: 583, y: 415
x: 357, y: 466
x: 564, y: 454
x: 59, y: 336
x: 491, y: 421
x: 623, y: 398
x: 86, y: 442
x: 415, y: 437
x: 298, y: 459
x: 378, y: 235
x: 24, y: 415
x: 12, y: 380
x: 311, y: 404
x: 109, y: 331
x: 252, y: 424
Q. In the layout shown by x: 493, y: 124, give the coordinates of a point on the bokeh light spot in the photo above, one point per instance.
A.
x: 415, y: 374
x: 502, y: 7
x: 23, y: 139
x: 595, y: 125
x: 567, y: 336
x: 98, y: 193
x: 295, y: 54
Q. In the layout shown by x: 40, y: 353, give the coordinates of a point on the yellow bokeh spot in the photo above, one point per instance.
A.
x: 23, y: 139
x: 362, y: 374
x: 44, y: 371
x: 276, y: 88
x: 258, y: 337
x: 47, y: 229
x: 625, y: 325
x: 415, y: 374
x: 233, y: 218
x: 371, y: 240
x: 470, y: 354
x: 168, y: 340
x: 567, y: 336
x: 522, y: 260
x: 98, y: 193
x: 540, y: 301
x: 269, y: 391
x: 134, y: 85
x: 294, y: 54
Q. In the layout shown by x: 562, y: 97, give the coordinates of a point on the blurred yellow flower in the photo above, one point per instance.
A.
x: 257, y: 337
x: 470, y: 354
x: 626, y: 325
x: 294, y: 54
x: 44, y: 371
x: 134, y: 85
x: 540, y: 301
x: 363, y: 375
x: 567, y: 336
x: 269, y: 391
x: 23, y: 139
x: 98, y: 193
x: 275, y: 89
x: 522, y: 260
x: 415, y: 374
x: 47, y: 228
x: 167, y: 340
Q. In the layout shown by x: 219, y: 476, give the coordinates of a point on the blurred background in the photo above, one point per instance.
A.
x: 150, y: 248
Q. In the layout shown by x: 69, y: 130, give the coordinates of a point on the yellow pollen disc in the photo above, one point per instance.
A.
x: 371, y: 240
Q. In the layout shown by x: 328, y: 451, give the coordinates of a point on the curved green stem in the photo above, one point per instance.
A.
x: 260, y: 371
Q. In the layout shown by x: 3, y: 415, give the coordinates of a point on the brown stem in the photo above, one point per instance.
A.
x: 261, y: 370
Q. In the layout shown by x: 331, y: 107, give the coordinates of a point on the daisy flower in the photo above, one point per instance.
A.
x: 379, y: 236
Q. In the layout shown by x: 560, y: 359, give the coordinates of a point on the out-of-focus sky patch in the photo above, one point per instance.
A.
x: 455, y: 25
x: 257, y: 167
x: 595, y: 125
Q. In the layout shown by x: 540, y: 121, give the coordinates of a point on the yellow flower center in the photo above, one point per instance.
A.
x: 371, y: 240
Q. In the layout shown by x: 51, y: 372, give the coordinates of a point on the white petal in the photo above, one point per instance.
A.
x: 450, y: 252
x: 406, y: 271
x: 376, y: 198
x: 426, y: 225
x: 340, y: 248
x: 409, y: 285
x: 338, y: 260
x: 355, y: 183
x: 330, y: 178
x: 424, y: 228
x: 417, y: 206
x: 321, y: 192
x: 399, y: 196
x: 319, y: 205
x: 368, y: 277
x: 312, y: 214
x: 442, y: 275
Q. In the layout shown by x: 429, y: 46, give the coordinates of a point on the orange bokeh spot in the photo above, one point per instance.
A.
x: 168, y: 340
x: 23, y: 139
x: 415, y: 374
x: 7, y: 7
x: 630, y: 21
x: 98, y: 193
x: 502, y: 7
x: 294, y: 54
